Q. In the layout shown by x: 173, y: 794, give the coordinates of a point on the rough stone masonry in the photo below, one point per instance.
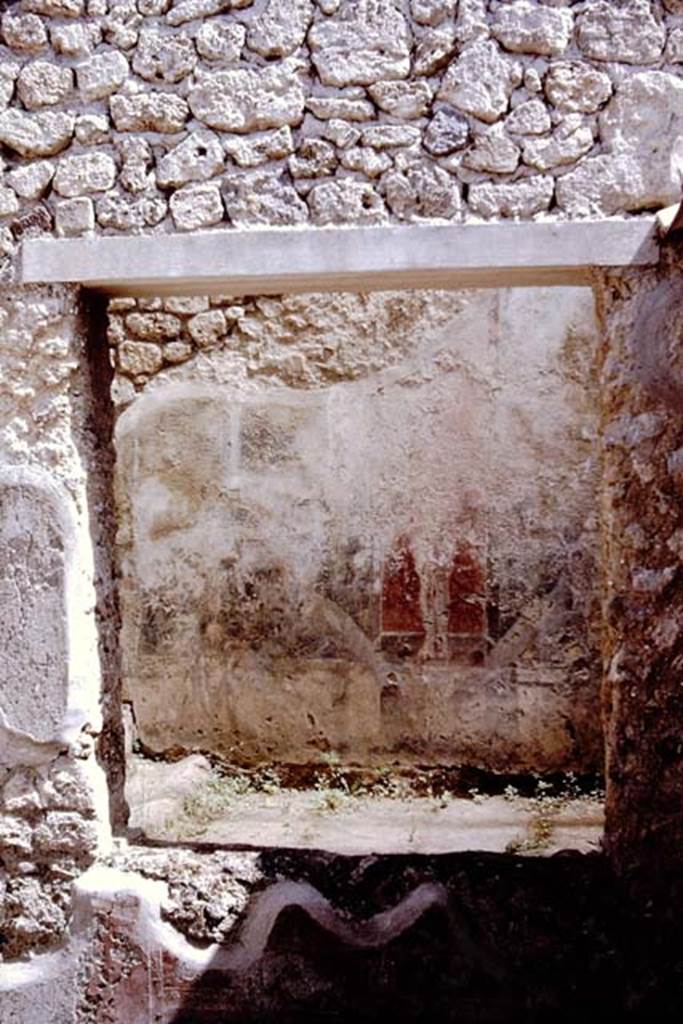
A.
x: 155, y: 117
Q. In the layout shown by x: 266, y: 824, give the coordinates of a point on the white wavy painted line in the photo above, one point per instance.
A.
x: 369, y: 934
x: 153, y: 933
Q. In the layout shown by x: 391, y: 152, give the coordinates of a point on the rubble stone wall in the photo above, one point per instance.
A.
x: 124, y: 117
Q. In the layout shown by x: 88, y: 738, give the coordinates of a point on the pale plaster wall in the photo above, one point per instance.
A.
x: 361, y: 527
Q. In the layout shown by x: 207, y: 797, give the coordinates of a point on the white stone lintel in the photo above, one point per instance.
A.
x: 271, y: 261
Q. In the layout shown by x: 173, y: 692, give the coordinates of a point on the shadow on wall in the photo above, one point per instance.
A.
x: 474, y: 938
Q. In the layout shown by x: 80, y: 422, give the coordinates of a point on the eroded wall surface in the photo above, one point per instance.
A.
x: 361, y: 527
x: 643, y: 403
x: 120, y: 117
x: 52, y: 796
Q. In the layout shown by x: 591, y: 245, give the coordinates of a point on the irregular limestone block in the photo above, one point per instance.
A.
x: 36, y: 135
x: 128, y: 213
x: 367, y: 40
x: 674, y: 46
x: 220, y: 41
x: 23, y: 31
x: 254, y: 150
x: 432, y: 12
x: 31, y: 180
x: 481, y: 81
x: 625, y: 31
x: 608, y: 184
x: 530, y: 118
x: 102, y: 75
x: 175, y: 352
x: 280, y: 28
x: 365, y: 160
x: 34, y: 679
x: 190, y: 10
x: 153, y: 326
x: 566, y: 145
x: 148, y: 112
x: 74, y: 217
x: 518, y: 200
x: 139, y: 358
x: 447, y: 132
x: 575, y: 87
x: 246, y: 99
x: 207, y: 329
x: 326, y: 107
x: 196, y: 206
x: 160, y: 57
x: 83, y: 174
x: 434, y: 49
x: 422, y: 191
x: 263, y: 197
x: 55, y: 8
x: 493, y: 151
x: 65, y: 832
x: 74, y: 39
x: 8, y: 75
x: 136, y: 162
x: 646, y: 114
x: 315, y: 158
x: 42, y: 84
x: 8, y: 201
x: 402, y: 99
x: 185, y: 305
x: 525, y: 28
x: 197, y: 158
x: 91, y: 129
x: 346, y: 202
x: 389, y: 136
x: 472, y: 23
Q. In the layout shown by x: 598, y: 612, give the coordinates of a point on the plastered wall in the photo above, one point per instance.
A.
x: 361, y: 527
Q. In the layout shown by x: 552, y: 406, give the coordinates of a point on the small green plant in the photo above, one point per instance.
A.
x: 332, y: 799
x: 547, y: 804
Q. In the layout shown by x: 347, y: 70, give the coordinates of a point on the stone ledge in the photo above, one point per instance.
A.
x: 345, y: 259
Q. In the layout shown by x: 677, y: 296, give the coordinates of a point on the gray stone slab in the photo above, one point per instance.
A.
x: 352, y: 259
x: 47, y: 646
x: 33, y: 618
